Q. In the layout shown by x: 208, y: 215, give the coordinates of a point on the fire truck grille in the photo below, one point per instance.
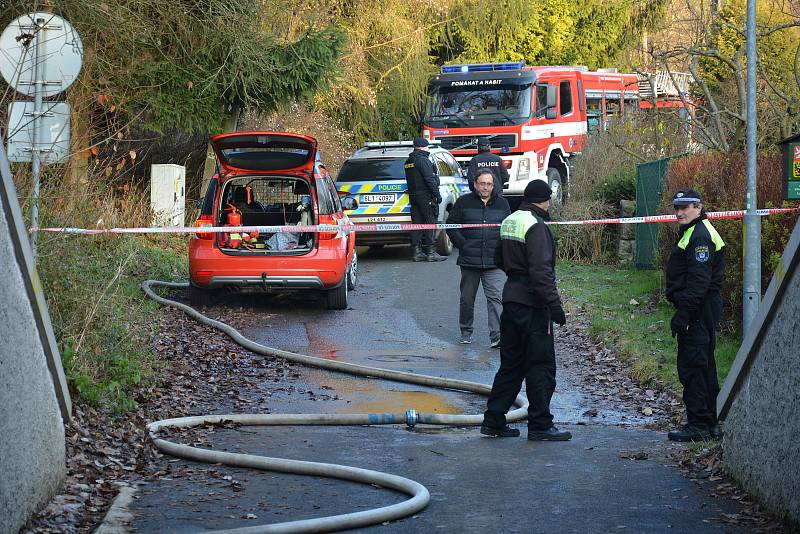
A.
x: 467, y: 142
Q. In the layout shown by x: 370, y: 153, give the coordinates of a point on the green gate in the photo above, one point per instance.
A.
x: 650, y: 179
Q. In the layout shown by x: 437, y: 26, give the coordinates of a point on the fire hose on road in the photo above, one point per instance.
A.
x: 419, y: 494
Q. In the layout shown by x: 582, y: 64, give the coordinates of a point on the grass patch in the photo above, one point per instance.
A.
x: 638, y: 331
x: 101, y: 317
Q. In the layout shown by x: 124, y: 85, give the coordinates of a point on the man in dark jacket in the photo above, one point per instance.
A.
x: 531, y: 304
x: 486, y: 161
x: 695, y: 272
x: 423, y: 192
x: 477, y: 248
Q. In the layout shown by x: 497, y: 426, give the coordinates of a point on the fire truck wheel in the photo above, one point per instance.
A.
x: 556, y: 183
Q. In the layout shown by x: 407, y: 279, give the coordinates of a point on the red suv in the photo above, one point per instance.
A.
x: 272, y: 179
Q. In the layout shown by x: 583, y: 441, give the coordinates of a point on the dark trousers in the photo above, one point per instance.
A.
x: 527, y: 353
x: 697, y: 368
x: 492, y: 280
x: 423, y: 211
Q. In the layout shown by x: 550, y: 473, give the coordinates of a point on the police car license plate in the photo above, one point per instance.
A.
x: 377, y: 199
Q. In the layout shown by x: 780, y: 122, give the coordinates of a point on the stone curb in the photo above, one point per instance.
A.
x: 118, y: 518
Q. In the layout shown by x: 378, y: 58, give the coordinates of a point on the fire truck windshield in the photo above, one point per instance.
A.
x: 463, y: 106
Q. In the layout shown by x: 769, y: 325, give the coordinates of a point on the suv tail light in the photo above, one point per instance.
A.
x: 327, y: 219
x: 507, y: 163
x: 204, y: 220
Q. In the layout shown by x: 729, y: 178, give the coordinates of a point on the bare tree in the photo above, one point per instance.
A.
x: 709, y: 43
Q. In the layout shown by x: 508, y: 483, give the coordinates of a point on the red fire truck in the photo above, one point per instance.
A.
x: 536, y: 118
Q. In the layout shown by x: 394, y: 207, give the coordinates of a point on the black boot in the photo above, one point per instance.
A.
x: 505, y: 432
x: 432, y: 255
x: 551, y: 434
x: 689, y: 433
x: 418, y: 254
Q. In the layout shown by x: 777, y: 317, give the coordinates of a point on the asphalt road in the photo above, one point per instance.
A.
x: 613, y: 476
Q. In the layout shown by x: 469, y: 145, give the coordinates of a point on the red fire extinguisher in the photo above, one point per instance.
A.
x: 233, y: 218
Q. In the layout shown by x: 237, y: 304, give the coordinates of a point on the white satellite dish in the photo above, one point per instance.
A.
x: 60, y: 58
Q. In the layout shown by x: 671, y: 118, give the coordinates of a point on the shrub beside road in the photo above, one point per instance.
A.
x: 102, y: 319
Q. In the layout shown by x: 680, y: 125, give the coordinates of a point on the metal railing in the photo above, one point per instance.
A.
x: 663, y: 84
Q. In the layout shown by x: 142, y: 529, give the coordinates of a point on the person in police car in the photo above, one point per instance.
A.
x: 477, y: 248
x: 484, y: 160
x: 695, y: 272
x: 531, y: 304
x: 422, y: 181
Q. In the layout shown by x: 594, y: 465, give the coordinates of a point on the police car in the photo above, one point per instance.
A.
x: 375, y: 176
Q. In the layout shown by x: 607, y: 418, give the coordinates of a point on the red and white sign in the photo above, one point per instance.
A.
x: 797, y: 153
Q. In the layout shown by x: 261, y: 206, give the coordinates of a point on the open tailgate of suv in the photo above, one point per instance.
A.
x: 267, y: 152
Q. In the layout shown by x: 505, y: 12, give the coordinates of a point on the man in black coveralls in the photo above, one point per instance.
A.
x: 423, y: 192
x: 695, y: 272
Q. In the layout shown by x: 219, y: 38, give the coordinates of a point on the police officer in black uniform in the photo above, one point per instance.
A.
x: 531, y: 304
x: 695, y: 272
x: 423, y: 192
x: 486, y: 161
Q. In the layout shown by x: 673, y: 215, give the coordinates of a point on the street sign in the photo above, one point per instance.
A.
x: 793, y: 178
x: 40, y: 56
x: 53, y: 142
x: 791, y: 167
x: 58, y: 60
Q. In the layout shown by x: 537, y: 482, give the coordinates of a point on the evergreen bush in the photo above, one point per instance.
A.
x: 617, y: 187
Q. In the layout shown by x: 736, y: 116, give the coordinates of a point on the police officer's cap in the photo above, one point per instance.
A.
x: 420, y: 142
x: 538, y: 191
x: 484, y: 143
x: 686, y: 196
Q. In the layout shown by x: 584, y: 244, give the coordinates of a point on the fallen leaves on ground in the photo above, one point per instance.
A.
x: 203, y: 372
x: 706, y: 463
x: 605, y: 377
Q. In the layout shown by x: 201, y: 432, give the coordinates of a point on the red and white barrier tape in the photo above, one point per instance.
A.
x: 384, y: 227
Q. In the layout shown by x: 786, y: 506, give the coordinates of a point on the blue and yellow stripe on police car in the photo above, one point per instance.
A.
x: 400, y: 205
x: 356, y: 189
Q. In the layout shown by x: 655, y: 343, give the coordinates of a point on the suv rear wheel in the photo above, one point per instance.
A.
x: 203, y: 297
x: 336, y: 298
x: 352, y: 272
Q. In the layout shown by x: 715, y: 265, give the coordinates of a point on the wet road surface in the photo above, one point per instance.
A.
x: 613, y: 475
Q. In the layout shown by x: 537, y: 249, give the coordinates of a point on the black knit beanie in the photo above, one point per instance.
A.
x: 538, y: 191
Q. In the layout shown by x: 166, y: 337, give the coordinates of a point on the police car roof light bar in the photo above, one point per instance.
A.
x: 482, y: 67
x: 391, y: 144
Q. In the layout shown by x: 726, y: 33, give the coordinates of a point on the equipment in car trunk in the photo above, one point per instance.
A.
x: 233, y: 217
x: 251, y: 239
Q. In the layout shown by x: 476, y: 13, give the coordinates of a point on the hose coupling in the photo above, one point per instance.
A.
x: 412, y: 417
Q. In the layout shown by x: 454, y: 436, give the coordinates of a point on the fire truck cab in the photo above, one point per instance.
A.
x: 536, y: 118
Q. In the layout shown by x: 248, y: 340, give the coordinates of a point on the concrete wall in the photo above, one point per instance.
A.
x: 32, y: 453
x: 761, y: 398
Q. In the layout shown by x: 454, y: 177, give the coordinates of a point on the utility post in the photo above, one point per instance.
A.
x: 36, y: 143
x: 752, y: 222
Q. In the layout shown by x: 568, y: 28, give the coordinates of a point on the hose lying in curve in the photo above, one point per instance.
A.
x: 419, y: 494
